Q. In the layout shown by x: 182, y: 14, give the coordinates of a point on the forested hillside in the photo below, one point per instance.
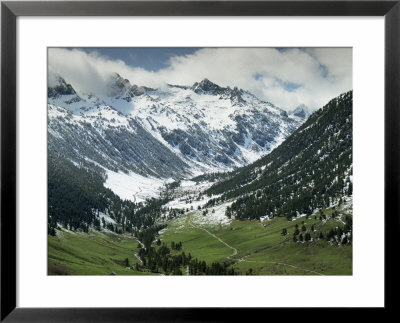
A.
x: 310, y: 170
x: 77, y: 200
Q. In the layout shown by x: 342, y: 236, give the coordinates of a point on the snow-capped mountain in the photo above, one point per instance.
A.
x: 174, y: 131
x: 301, y: 111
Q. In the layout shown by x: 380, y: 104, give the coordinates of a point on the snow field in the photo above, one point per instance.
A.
x: 134, y: 187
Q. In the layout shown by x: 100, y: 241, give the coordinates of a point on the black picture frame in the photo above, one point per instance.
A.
x: 10, y: 10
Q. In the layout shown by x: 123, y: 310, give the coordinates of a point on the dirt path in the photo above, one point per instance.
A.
x: 138, y: 258
x: 220, y: 240
x: 244, y: 258
x: 140, y: 242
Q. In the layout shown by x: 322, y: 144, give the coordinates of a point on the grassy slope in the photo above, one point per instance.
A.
x: 91, y: 254
x: 196, y: 241
x: 264, y: 249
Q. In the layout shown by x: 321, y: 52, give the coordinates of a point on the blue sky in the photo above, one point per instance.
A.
x: 150, y: 58
x: 286, y: 77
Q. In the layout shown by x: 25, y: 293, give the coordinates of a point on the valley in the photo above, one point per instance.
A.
x: 250, y: 247
x: 197, y: 180
x: 259, y: 247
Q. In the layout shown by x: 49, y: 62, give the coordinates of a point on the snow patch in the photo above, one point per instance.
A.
x: 106, y: 218
x: 215, y: 216
x: 134, y: 187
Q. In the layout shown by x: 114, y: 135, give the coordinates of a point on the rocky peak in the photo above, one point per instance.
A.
x: 119, y: 84
x: 122, y: 88
x: 301, y: 111
x: 207, y: 87
x: 236, y: 96
x: 62, y: 88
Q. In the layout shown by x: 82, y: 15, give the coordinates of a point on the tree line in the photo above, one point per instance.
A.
x: 162, y: 259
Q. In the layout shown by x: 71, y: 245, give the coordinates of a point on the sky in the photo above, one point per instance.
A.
x: 286, y: 77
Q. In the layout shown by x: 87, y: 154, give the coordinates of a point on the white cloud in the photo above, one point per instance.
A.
x: 287, y: 78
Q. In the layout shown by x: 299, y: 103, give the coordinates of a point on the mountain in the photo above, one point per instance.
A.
x: 311, y: 169
x: 172, y: 132
x: 301, y: 111
x: 119, y: 165
x: 78, y: 200
x: 103, y: 136
x: 62, y: 88
x: 122, y: 88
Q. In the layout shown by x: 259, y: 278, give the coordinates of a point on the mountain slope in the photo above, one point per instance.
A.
x: 78, y: 200
x: 168, y: 133
x: 106, y: 137
x: 311, y: 169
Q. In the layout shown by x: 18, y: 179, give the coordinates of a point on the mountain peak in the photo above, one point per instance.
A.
x: 61, y: 88
x: 206, y: 81
x: 206, y: 86
x: 118, y: 82
x: 122, y: 88
x: 301, y: 111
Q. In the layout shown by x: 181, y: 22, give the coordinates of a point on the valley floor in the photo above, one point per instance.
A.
x: 251, y: 247
x: 259, y: 248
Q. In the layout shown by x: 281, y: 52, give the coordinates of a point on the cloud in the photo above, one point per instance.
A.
x: 286, y: 77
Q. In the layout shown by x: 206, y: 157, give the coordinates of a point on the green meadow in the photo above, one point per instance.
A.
x: 93, y: 253
x: 252, y: 247
x: 261, y: 247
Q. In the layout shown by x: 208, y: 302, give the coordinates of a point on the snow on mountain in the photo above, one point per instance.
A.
x: 311, y: 170
x: 171, y: 132
x: 134, y: 187
x: 301, y: 111
x: 106, y: 138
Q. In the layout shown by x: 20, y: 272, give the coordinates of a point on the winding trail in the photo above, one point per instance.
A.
x: 141, y: 243
x: 138, y: 258
x: 243, y: 259
x: 219, y: 239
